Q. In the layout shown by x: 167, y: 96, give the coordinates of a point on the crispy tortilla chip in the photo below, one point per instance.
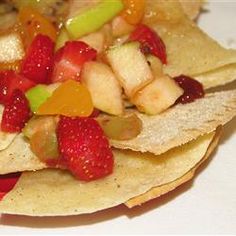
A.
x: 189, y: 50
x: 5, y: 138
x: 55, y: 192
x: 165, y: 188
x: 182, y: 123
x: 19, y: 157
x: 192, y: 8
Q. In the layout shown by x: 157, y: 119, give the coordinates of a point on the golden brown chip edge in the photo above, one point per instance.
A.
x: 168, y: 187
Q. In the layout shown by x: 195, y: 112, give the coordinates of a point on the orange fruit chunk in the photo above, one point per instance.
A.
x: 134, y: 11
x: 10, y: 66
x: 33, y: 23
x: 69, y: 99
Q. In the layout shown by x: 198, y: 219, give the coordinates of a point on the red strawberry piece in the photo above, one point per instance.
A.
x: 70, y: 59
x: 7, y: 183
x: 9, y: 81
x: 84, y: 146
x: 16, y: 113
x: 192, y: 89
x: 150, y: 42
x: 38, y: 61
x: 95, y: 113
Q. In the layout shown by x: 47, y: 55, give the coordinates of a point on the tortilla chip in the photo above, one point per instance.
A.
x: 182, y: 123
x: 165, y: 188
x: 5, y: 138
x: 192, y: 8
x: 189, y: 50
x: 54, y: 192
x: 18, y: 157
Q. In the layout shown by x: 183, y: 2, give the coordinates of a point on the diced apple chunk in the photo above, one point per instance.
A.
x: 156, y: 65
x: 104, y: 88
x: 130, y: 67
x: 120, y: 27
x: 95, y: 40
x: 11, y: 48
x: 157, y: 96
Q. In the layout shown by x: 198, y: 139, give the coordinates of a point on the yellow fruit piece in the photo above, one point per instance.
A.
x: 134, y: 11
x: 34, y: 23
x: 10, y: 66
x: 69, y: 99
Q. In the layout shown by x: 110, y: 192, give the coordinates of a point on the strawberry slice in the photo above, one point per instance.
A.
x: 38, y: 63
x: 16, y: 113
x: 7, y: 183
x: 9, y: 81
x: 85, y: 148
x: 70, y: 59
x: 150, y: 42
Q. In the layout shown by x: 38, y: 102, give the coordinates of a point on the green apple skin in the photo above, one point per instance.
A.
x: 62, y: 38
x: 37, y: 96
x: 93, y: 18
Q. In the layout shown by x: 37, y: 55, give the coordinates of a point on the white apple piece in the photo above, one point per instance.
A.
x: 156, y: 65
x: 157, y: 96
x: 11, y: 48
x: 104, y: 88
x: 120, y: 27
x: 95, y: 40
x: 130, y: 67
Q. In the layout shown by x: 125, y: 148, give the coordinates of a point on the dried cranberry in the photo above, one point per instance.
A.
x: 192, y: 89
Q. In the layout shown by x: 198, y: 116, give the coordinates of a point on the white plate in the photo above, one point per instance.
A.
x: 205, y: 205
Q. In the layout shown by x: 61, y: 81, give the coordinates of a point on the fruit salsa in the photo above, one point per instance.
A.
x: 67, y: 83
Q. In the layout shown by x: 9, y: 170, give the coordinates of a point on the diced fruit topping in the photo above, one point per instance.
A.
x: 69, y: 99
x: 10, y: 65
x: 85, y: 148
x: 7, y: 183
x: 62, y: 38
x: 38, y: 62
x: 70, y: 59
x: 130, y: 67
x: 192, y: 89
x: 16, y: 113
x: 11, y: 48
x: 100, y: 81
x: 43, y: 139
x: 37, y: 123
x: 95, y: 40
x: 33, y: 23
x: 151, y: 43
x: 121, y: 127
x: 120, y: 27
x: 134, y: 11
x: 157, y: 96
x: 41, y: 132
x: 37, y: 96
x: 156, y: 65
x: 95, y: 113
x: 9, y: 81
x: 92, y: 18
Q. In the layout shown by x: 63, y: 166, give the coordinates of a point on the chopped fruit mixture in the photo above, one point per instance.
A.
x: 65, y: 83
